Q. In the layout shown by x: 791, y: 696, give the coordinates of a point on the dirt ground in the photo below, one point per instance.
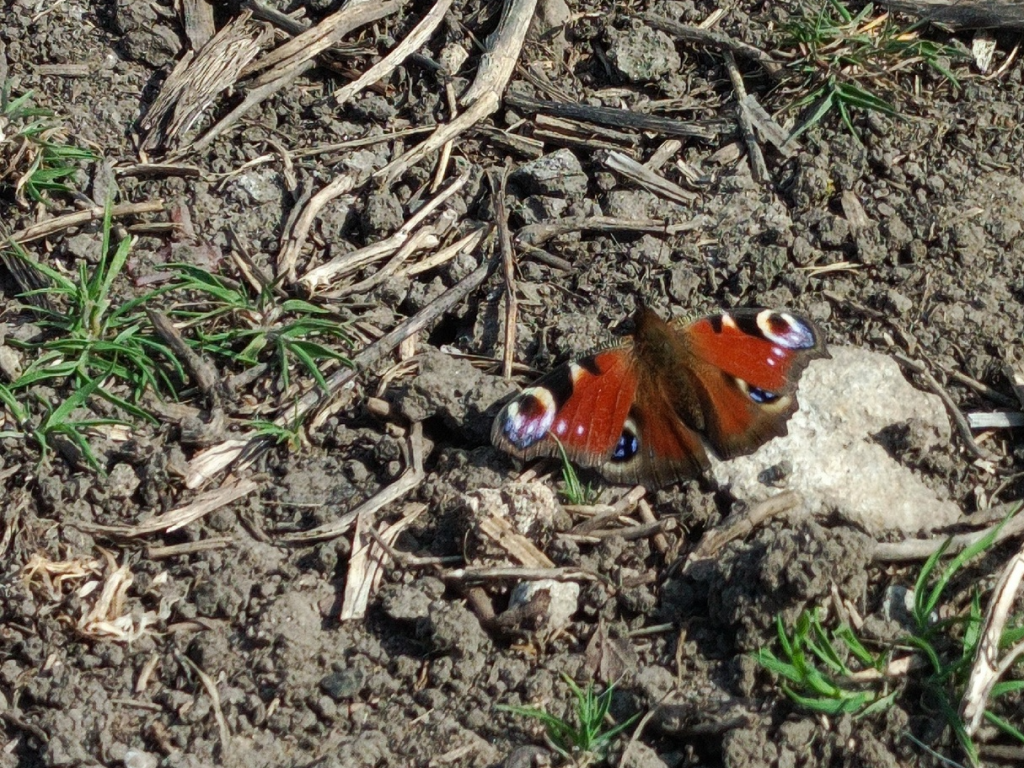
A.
x: 229, y: 648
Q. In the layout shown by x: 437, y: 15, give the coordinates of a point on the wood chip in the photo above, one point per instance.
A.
x: 648, y: 179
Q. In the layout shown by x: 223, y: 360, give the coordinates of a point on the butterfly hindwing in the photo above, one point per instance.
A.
x: 583, y: 405
x: 745, y: 365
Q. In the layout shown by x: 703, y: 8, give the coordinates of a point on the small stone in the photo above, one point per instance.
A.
x: 343, y: 684
x: 837, y: 462
x: 10, y: 363
x: 136, y: 758
x: 642, y: 54
x: 558, y: 173
x: 122, y: 481
x: 564, y: 600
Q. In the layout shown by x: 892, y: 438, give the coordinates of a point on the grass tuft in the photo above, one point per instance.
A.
x: 589, y: 738
x: 573, y: 490
x: 35, y: 159
x: 840, y: 61
x: 815, y: 666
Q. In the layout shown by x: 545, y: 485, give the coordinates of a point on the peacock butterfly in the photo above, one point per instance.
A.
x: 644, y: 411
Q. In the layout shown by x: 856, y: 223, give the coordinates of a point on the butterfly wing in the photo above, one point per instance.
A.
x: 582, y: 405
x: 655, y: 447
x: 744, y: 368
x: 600, y: 409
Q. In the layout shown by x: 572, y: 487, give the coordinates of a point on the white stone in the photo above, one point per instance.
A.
x: 565, y: 596
x: 836, y: 466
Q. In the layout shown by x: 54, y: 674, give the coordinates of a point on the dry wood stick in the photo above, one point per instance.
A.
x: 323, y: 274
x: 758, y: 169
x: 713, y: 38
x: 252, y: 98
x: 620, y: 118
x: 211, y: 691
x: 518, y: 574
x: 646, y: 178
x: 288, y: 257
x: 538, y: 234
x: 198, y: 22
x: 464, y: 245
x: 964, y: 14
x: 922, y: 549
x: 203, y: 372
x: 959, y: 421
x: 509, y: 265
x: 78, y: 218
x: 498, y: 63
x: 168, y: 522
x: 987, y: 669
x: 196, y: 80
x: 409, y: 45
x: 427, y: 237
x: 317, y: 39
x: 484, y: 94
x: 409, y: 479
x: 742, y: 523
x: 481, y: 108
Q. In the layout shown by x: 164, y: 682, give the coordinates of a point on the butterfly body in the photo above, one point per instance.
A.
x: 646, y: 411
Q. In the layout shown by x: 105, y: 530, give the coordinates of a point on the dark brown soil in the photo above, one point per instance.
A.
x: 937, y: 272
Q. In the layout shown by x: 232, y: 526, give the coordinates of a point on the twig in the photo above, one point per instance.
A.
x: 610, y: 116
x: 197, y: 79
x: 922, y: 549
x: 963, y: 14
x: 188, y: 548
x: 713, y: 38
x: 995, y: 420
x: 484, y: 95
x: 647, y: 515
x: 962, y: 427
x: 758, y: 169
x: 365, y: 565
x: 508, y: 262
x: 503, y: 47
x: 463, y: 575
x: 648, y: 179
x: 428, y: 237
x: 503, y: 534
x: 985, y: 672
x: 288, y: 257
x: 632, y: 532
x: 171, y: 521
x: 24, y: 725
x: 588, y: 136
x: 1014, y: 371
x: 466, y: 245
x: 538, y: 234
x: 477, y: 111
x: 409, y: 45
x: 198, y: 22
x: 302, y: 48
x: 211, y: 691
x: 323, y: 274
x: 202, y: 371
x: 411, y: 478
x: 740, y: 524
x: 78, y: 218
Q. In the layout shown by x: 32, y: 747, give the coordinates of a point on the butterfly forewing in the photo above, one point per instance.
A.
x: 746, y: 365
x: 583, y: 405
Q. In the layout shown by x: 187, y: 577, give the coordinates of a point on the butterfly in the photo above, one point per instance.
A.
x: 647, y: 411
